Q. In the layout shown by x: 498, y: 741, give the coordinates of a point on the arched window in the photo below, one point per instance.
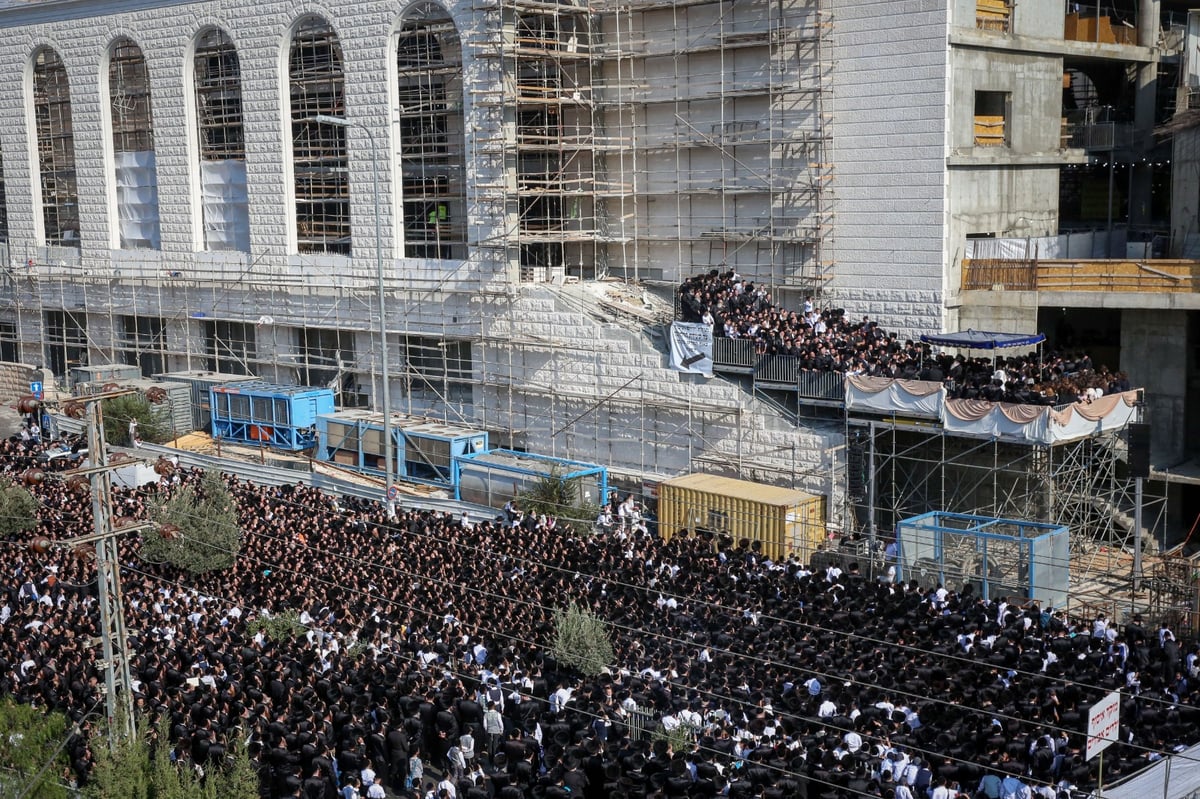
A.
x: 319, y: 161
x: 56, y: 149
x: 432, y: 144
x: 136, y: 176
x: 224, y: 205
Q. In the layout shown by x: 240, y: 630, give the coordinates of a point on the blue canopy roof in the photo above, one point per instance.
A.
x: 982, y: 340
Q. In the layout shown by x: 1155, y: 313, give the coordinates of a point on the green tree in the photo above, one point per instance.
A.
x: 678, y: 739
x: 198, y: 528
x: 122, y: 768
x: 18, y: 510
x: 279, y: 627
x: 554, y: 495
x: 118, y: 411
x: 30, y: 742
x: 581, y: 640
x: 236, y: 778
x: 136, y: 769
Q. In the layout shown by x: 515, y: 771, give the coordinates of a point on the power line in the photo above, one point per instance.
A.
x: 819, y: 673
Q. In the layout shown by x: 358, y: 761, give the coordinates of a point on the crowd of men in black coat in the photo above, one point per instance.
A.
x: 425, y: 665
x: 828, y: 340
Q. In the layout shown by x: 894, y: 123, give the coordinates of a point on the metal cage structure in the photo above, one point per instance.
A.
x: 987, y: 556
x: 897, y: 469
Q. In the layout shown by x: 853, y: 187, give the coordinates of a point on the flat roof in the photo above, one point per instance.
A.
x: 742, y: 489
x: 263, y: 388
x: 409, y: 424
x: 529, y: 461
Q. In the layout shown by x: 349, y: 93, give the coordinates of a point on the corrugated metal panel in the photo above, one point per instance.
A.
x: 199, y: 384
x: 105, y: 373
x: 766, y: 494
x: 783, y: 521
x: 176, y: 412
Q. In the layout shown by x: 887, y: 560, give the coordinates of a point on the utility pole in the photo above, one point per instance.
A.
x: 114, y: 642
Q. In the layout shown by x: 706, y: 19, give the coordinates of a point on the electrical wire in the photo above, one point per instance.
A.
x: 453, y: 671
x: 959, y: 659
x: 544, y: 607
x: 818, y: 673
x: 816, y: 628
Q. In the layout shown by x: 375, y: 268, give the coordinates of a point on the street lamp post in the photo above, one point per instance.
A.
x: 385, y: 375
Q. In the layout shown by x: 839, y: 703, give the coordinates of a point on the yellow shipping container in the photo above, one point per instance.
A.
x: 784, y: 520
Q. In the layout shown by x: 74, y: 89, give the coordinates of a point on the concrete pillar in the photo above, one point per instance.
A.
x: 1140, y: 175
x: 1154, y: 356
x: 1185, y: 189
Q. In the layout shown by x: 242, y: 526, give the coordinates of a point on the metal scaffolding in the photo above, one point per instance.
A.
x: 316, y: 80
x: 225, y: 206
x: 55, y: 149
x: 135, y: 178
x: 895, y: 470
x: 432, y: 146
x: 645, y: 141
x: 655, y: 140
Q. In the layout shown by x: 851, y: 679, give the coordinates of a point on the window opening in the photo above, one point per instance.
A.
x: 224, y: 204
x: 319, y: 150
x: 432, y: 144
x: 56, y: 150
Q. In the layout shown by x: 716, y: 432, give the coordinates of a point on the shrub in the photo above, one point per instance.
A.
x: 118, y: 411
x: 198, y: 527
x: 18, y: 509
x: 28, y: 736
x: 581, y: 640
x: 561, y: 498
x: 278, y: 627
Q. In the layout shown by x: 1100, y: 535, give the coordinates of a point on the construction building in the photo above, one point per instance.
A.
x: 228, y: 186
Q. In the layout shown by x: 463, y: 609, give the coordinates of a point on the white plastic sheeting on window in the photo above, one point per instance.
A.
x: 1013, y: 249
x: 137, y: 200
x: 225, y: 205
x: 1078, y: 244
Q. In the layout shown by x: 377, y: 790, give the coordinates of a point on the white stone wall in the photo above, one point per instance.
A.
x: 599, y: 392
x: 261, y: 33
x: 889, y: 151
x: 567, y: 384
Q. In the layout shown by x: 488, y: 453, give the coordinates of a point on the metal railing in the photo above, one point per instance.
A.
x: 740, y: 356
x: 736, y: 355
x: 822, y: 385
x: 778, y: 369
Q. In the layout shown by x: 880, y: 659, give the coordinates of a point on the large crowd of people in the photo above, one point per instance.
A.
x: 425, y: 668
x: 829, y: 340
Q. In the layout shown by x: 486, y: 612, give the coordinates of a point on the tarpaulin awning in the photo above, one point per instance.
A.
x: 983, y: 340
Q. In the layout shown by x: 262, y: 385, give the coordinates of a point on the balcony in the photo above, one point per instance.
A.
x: 1107, y: 276
x: 779, y: 372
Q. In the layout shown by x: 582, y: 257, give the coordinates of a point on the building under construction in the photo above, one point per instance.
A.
x: 230, y: 186
x: 541, y: 175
